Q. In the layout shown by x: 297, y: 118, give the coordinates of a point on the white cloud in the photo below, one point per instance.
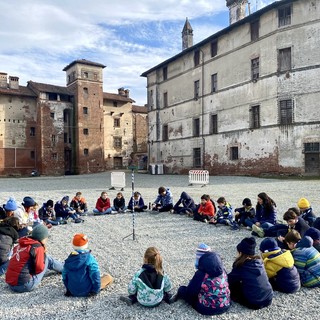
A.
x: 41, y: 37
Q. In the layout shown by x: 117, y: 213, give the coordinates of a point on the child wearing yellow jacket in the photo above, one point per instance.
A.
x: 279, y: 265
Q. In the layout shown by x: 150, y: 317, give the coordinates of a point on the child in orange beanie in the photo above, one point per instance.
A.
x: 81, y: 274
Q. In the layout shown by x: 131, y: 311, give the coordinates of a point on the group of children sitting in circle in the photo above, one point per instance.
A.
x: 289, y: 255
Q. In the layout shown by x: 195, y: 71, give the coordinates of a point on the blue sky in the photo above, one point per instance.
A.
x: 38, y: 38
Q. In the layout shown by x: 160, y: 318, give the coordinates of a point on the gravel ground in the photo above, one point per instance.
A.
x: 176, y: 237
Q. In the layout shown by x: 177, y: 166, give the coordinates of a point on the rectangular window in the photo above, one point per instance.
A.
x: 286, y: 112
x: 165, y: 73
x: 53, y: 139
x: 85, y: 110
x: 115, y: 104
x: 214, y: 124
x: 312, y: 147
x: 86, y: 152
x: 255, y: 69
x: 284, y: 59
x: 196, y: 89
x: 255, y: 117
x: 117, y: 142
x: 254, y: 30
x: 32, y: 155
x: 214, y: 82
x: 150, y: 96
x: 165, y: 99
x: 52, y: 96
x: 165, y: 132
x: 32, y: 131
x: 197, y: 157
x: 234, y: 154
x: 214, y: 48
x: 284, y: 15
x: 196, y: 127
x: 116, y: 122
x: 196, y: 58
x: 86, y: 74
x: 54, y: 156
x: 85, y: 131
x: 52, y: 115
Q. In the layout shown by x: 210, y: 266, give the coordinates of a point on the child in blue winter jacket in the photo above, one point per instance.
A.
x: 81, y: 274
x: 136, y: 202
x: 224, y: 214
x: 208, y: 291
x: 164, y: 201
x: 64, y: 211
x: 248, y: 280
x: 184, y: 205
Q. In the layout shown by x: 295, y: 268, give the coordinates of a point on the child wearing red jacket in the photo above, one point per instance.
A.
x: 206, y: 209
x: 30, y: 262
x: 102, y: 205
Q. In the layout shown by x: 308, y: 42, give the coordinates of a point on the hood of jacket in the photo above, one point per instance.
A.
x: 211, y: 263
x: 27, y: 241
x: 185, y: 196
x: 77, y: 259
x: 305, y: 242
x: 254, y: 266
x: 279, y: 258
x: 8, y: 231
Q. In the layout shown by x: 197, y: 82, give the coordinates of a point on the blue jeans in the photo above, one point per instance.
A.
x: 97, y: 212
x: 35, y: 280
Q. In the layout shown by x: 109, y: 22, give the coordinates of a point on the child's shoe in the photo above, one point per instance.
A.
x: 173, y: 299
x: 234, y: 226
x: 259, y: 231
x: 127, y: 300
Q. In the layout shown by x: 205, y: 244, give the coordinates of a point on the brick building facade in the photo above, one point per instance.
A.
x: 65, y: 130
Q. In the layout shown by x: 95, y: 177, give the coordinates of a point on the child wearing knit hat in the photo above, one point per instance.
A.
x: 30, y: 261
x: 306, y: 211
x: 279, y: 264
x: 201, y: 250
x: 81, y: 274
x: 208, y: 291
x: 248, y: 280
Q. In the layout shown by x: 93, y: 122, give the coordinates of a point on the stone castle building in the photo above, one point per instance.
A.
x: 69, y: 130
x: 244, y: 100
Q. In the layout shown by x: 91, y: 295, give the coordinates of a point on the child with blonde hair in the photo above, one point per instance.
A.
x: 81, y: 274
x: 150, y: 285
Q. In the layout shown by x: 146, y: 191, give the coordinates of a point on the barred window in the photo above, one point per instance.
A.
x: 286, y: 112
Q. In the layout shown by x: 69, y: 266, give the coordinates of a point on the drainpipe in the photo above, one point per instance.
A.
x: 202, y: 111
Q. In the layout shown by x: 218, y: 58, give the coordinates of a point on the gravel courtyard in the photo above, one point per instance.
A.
x: 176, y: 237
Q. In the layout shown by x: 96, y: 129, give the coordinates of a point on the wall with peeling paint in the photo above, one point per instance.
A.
x: 272, y: 148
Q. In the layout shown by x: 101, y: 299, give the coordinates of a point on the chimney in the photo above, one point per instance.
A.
x: 121, y: 91
x: 126, y: 93
x: 237, y: 10
x: 3, y: 80
x: 187, y: 35
x: 13, y: 82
